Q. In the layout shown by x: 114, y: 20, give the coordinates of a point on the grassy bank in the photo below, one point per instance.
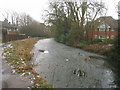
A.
x: 98, y: 48
x: 18, y: 55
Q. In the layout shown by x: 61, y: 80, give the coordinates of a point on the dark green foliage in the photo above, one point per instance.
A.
x: 114, y: 55
x: 4, y: 31
x: 105, y: 41
x: 62, y: 38
x: 80, y: 45
x: 97, y: 41
x: 108, y: 41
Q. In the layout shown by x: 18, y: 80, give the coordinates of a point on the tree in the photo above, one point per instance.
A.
x: 25, y: 20
x: 6, y: 15
x: 31, y: 27
x: 12, y: 16
x: 69, y: 20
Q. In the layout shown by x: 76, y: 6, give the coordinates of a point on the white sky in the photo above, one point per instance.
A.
x: 35, y: 8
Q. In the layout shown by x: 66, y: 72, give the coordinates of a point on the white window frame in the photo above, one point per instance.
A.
x: 102, y: 29
x: 107, y: 37
x: 108, y: 29
x: 101, y: 37
x: 97, y: 29
x: 112, y: 36
x: 95, y: 36
x: 112, y: 29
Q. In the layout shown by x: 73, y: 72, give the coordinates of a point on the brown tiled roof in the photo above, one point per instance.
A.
x: 6, y: 24
x: 109, y: 20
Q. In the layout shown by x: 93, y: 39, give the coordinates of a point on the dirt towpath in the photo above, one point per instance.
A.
x: 11, y: 79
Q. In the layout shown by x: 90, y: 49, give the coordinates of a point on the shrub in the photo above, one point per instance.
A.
x: 4, y: 31
x: 80, y: 45
x: 108, y: 41
x: 97, y: 41
x: 62, y: 38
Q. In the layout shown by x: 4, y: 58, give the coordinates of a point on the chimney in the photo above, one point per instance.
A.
x: 6, y: 21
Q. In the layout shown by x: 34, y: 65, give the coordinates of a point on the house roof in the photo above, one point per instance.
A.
x: 109, y: 21
x: 6, y: 24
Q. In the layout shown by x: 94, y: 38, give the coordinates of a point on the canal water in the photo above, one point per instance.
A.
x: 67, y: 67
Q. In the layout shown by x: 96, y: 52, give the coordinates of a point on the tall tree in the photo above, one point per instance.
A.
x: 71, y: 19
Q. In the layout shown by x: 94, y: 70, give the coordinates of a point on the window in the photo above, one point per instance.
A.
x: 112, y: 37
x: 9, y: 29
x: 95, y: 36
x: 97, y: 29
x: 102, y: 29
x: 112, y: 30
x: 101, y: 37
x: 107, y: 37
x: 108, y: 29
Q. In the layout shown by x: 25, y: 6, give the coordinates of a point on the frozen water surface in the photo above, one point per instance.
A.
x: 62, y: 67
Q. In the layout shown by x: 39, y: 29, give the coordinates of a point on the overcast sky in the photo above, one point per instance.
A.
x: 35, y: 8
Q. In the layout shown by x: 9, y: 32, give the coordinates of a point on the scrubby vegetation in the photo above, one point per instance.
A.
x: 97, y: 41
x: 114, y: 55
x: 4, y: 32
x: 98, y: 48
x: 18, y: 55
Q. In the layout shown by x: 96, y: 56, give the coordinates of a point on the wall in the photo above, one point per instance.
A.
x: 98, y: 33
x: 7, y: 38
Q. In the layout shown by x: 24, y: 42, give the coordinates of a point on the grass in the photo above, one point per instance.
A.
x: 18, y: 55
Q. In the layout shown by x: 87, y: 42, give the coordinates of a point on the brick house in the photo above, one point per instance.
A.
x: 11, y: 29
x: 104, y: 28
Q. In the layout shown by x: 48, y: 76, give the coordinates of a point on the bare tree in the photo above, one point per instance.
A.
x: 73, y: 17
x: 14, y: 17
x: 24, y: 20
x: 6, y: 15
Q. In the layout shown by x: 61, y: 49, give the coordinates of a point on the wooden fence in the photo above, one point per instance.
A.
x: 6, y: 38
